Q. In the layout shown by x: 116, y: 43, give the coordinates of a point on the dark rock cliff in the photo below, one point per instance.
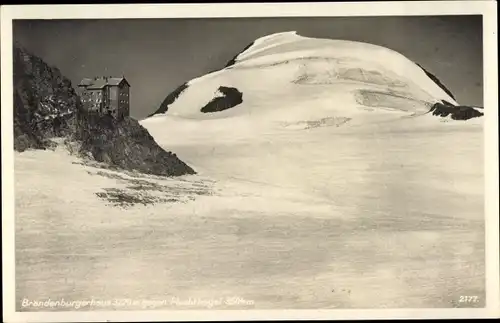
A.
x: 170, y: 99
x: 47, y: 106
x: 437, y: 81
x: 44, y: 102
x: 125, y: 144
x: 232, y: 61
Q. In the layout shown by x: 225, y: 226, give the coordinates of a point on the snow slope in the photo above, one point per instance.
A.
x: 323, y: 189
x: 389, y: 218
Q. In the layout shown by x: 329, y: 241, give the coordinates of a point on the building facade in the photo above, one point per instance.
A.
x: 106, y: 95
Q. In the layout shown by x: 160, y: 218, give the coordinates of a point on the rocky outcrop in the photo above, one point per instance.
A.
x: 460, y: 112
x: 170, y: 99
x: 437, y: 81
x: 44, y: 102
x: 229, y: 98
x: 125, y: 144
x: 46, y: 106
x: 232, y: 61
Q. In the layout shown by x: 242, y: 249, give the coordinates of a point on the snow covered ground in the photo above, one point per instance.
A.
x: 394, y: 219
x: 298, y: 203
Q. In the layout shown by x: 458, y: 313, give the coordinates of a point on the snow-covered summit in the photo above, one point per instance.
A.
x: 285, y: 78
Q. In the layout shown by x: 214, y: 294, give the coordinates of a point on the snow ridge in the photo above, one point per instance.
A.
x: 264, y: 43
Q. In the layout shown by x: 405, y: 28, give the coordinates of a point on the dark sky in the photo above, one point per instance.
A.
x: 157, y: 55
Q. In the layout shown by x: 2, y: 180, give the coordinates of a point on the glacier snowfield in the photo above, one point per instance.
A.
x: 389, y: 218
x: 329, y: 187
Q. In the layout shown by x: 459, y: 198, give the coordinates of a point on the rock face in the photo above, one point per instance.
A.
x: 459, y: 112
x: 170, y: 99
x: 125, y: 144
x: 44, y: 102
x: 232, y: 61
x: 230, y: 97
x: 46, y: 106
x: 437, y: 81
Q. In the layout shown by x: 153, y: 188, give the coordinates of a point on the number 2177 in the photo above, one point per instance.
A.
x: 468, y: 299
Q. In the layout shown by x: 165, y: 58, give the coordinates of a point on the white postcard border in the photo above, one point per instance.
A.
x: 486, y: 8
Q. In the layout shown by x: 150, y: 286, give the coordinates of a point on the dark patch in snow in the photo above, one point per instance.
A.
x: 232, y: 97
x: 124, y: 198
x: 459, y: 112
x: 170, y: 99
x: 146, y: 191
x: 437, y: 81
x: 233, y: 60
